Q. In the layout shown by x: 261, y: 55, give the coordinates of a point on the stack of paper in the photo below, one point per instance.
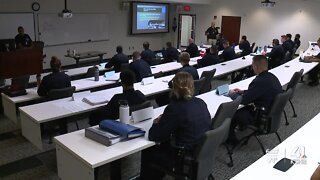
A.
x: 95, y: 99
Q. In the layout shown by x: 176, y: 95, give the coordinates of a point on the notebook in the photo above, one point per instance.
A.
x: 223, y: 90
x: 112, y: 76
x: 142, y: 114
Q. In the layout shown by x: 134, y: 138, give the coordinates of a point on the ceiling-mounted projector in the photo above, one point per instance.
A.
x: 268, y: 3
x: 66, y: 13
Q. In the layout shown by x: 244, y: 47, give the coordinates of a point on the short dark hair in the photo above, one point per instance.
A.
x: 244, y: 38
x: 298, y: 36
x: 226, y: 42
x: 146, y: 45
x: 169, y: 44
x: 275, y: 41
x: 214, y: 49
x: 135, y: 55
x: 127, y: 78
x: 119, y: 49
x: 20, y: 27
x: 289, y: 36
x: 55, y: 64
x: 259, y: 59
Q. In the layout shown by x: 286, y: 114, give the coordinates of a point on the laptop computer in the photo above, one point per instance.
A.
x: 18, y: 86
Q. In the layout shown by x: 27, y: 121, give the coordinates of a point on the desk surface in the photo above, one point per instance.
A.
x: 305, y: 138
x: 84, y: 55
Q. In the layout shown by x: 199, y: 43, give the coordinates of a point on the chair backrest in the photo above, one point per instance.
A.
x: 90, y: 72
x: 61, y: 93
x: 124, y: 67
x: 287, y: 56
x: 207, y: 84
x: 252, y: 46
x: 255, y: 49
x: 276, y: 110
x: 198, y: 85
x: 294, y: 81
x: 225, y: 110
x: 206, y: 150
x: 137, y: 107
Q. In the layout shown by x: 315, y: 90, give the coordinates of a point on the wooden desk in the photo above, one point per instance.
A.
x: 86, y: 55
x: 305, y: 138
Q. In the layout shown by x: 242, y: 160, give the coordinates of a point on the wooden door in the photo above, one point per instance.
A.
x: 230, y: 28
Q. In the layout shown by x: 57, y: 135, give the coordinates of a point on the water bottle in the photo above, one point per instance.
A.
x: 259, y: 50
x: 96, y: 73
x: 74, y: 52
x: 124, y: 115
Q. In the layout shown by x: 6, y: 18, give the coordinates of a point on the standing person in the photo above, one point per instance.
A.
x: 23, y: 40
x: 170, y: 54
x: 244, y: 45
x: 186, y: 117
x: 55, y: 80
x: 140, y: 67
x: 296, y: 42
x: 192, y: 49
x: 147, y: 54
x: 117, y: 60
x: 211, y: 34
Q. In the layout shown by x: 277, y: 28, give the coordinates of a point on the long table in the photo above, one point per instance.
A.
x: 78, y: 157
x: 302, y: 142
x: 32, y: 117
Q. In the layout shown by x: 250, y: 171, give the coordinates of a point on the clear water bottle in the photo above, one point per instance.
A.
x: 124, y: 114
x: 96, y: 74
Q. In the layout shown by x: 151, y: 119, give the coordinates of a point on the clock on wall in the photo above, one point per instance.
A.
x: 35, y: 6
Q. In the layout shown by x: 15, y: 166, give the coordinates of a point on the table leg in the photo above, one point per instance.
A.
x: 31, y: 130
x: 77, y: 62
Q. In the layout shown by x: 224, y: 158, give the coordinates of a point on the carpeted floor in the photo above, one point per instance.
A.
x: 21, y: 160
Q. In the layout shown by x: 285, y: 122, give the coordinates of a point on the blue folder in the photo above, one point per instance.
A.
x: 124, y: 130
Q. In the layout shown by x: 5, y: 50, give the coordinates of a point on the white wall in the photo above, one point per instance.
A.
x: 118, y: 32
x: 261, y: 25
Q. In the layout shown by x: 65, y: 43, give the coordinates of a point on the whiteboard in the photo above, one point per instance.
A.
x: 11, y: 21
x: 55, y: 30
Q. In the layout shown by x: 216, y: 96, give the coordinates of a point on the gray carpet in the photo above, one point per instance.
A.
x: 21, y: 160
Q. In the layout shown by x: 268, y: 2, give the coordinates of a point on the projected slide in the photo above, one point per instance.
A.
x: 151, y: 17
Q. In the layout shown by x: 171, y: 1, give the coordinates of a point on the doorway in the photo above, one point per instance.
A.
x: 230, y: 28
x: 186, y: 29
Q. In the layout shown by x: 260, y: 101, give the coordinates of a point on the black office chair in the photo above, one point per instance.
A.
x: 199, y: 164
x: 292, y: 85
x: 268, y: 122
x: 207, y: 84
x: 198, y: 84
x: 252, y: 47
x: 124, y: 67
x: 226, y: 110
x: 61, y: 93
x: 91, y: 72
x: 287, y: 57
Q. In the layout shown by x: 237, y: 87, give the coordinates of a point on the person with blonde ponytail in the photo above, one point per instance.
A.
x: 186, y: 118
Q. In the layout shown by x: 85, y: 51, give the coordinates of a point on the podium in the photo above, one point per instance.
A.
x: 21, y: 62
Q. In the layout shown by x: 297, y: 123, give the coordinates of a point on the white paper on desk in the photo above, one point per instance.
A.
x: 112, y: 76
x: 71, y: 106
x: 80, y: 95
x: 96, y: 99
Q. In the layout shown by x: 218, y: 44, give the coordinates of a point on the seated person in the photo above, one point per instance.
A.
x: 277, y: 54
x: 296, y: 42
x: 313, y: 74
x: 286, y: 43
x: 184, y: 59
x: 23, y: 40
x: 220, y: 41
x: 111, y: 110
x: 210, y: 58
x: 147, y: 54
x: 55, y: 80
x: 186, y: 117
x: 170, y: 54
x: 192, y: 49
x: 228, y: 52
x: 140, y: 67
x: 117, y: 60
x: 261, y: 93
x: 244, y: 45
